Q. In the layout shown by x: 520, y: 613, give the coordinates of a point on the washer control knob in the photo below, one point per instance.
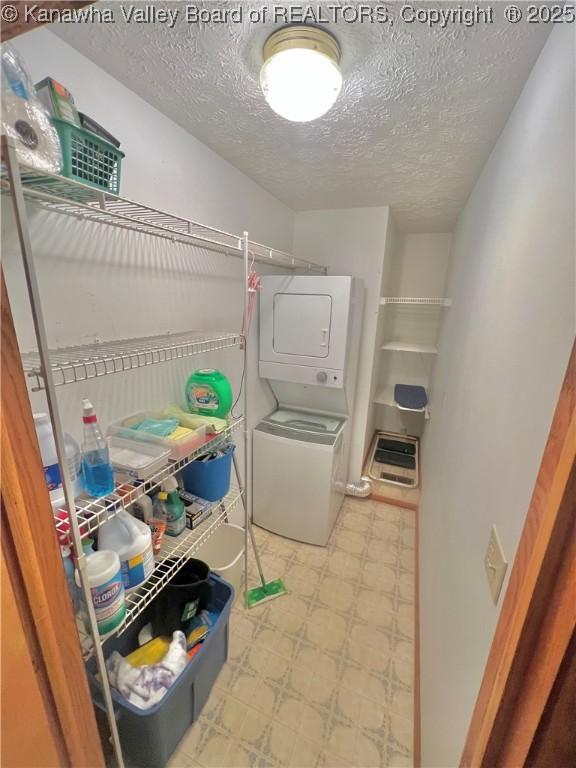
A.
x: 322, y: 377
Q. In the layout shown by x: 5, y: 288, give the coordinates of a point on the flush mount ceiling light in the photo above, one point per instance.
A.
x: 300, y: 77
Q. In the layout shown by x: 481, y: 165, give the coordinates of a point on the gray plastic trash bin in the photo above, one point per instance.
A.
x: 150, y: 736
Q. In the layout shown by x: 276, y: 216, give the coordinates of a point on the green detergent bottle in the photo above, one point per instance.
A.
x: 208, y: 392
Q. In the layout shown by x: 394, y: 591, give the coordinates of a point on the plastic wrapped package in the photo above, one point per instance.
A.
x: 25, y: 119
x: 145, y: 686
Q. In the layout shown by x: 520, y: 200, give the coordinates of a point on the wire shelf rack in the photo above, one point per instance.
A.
x: 59, y: 195
x: 81, y: 201
x: 92, y: 513
x: 174, y: 555
x: 402, y: 346
x: 418, y: 301
x: 266, y: 255
x: 73, y: 198
x: 90, y: 361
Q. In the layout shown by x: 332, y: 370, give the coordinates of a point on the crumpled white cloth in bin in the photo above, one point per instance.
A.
x: 145, y: 686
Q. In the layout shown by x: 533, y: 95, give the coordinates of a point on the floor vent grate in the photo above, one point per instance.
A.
x: 394, y: 459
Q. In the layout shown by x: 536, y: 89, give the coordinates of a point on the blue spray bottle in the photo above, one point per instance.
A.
x: 96, y: 467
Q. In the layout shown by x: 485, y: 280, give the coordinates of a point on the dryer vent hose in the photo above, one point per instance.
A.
x: 361, y: 489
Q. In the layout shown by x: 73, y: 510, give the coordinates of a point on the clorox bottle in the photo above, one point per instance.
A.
x: 131, y: 539
x: 208, y: 392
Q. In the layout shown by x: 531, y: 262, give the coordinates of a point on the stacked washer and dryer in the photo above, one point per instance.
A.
x: 309, y: 339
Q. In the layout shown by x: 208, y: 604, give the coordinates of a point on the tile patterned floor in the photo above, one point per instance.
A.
x: 324, y: 675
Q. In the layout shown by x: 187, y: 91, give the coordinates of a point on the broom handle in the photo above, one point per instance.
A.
x: 248, y: 523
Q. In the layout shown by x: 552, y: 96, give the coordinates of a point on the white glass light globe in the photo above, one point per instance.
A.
x: 300, y: 84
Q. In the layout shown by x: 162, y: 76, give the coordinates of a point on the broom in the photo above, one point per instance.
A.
x: 267, y: 590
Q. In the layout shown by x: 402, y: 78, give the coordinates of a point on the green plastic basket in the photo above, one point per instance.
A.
x: 88, y: 158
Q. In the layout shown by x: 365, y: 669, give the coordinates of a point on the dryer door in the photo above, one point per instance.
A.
x: 302, y: 324
x: 304, y: 321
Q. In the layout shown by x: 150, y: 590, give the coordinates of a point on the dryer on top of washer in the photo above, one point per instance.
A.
x: 309, y: 339
x: 306, y: 327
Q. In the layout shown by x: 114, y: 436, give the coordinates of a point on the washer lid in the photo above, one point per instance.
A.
x: 303, y: 421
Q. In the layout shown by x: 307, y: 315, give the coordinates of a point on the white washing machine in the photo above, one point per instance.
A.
x: 299, y: 474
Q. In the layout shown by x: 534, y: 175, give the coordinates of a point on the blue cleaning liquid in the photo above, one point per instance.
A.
x: 98, y: 475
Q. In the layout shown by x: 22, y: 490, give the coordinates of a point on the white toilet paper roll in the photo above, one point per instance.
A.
x: 37, y: 143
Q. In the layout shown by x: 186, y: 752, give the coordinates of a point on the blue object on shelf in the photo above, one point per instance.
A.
x: 209, y: 479
x: 150, y: 736
x: 410, y: 397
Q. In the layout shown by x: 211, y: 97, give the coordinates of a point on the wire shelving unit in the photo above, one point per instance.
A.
x: 174, y: 554
x: 92, y: 513
x: 416, y: 301
x: 81, y: 201
x: 49, y: 369
x: 90, y: 361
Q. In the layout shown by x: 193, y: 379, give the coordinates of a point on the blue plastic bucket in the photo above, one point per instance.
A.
x: 209, y: 479
x: 150, y: 736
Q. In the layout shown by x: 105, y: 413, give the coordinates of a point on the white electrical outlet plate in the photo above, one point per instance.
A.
x: 495, y: 564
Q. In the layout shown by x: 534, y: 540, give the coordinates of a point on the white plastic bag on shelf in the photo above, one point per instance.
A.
x: 147, y: 685
x: 25, y: 119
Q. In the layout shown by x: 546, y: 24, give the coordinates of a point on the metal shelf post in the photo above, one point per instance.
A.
x: 21, y: 218
x: 247, y: 443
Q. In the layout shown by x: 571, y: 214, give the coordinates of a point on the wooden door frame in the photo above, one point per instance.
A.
x: 36, y: 566
x: 538, y: 616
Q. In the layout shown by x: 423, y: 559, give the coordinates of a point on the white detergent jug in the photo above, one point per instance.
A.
x: 50, y: 460
x: 107, y: 590
x: 131, y: 539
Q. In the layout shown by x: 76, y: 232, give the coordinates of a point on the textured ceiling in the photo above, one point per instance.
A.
x: 418, y: 114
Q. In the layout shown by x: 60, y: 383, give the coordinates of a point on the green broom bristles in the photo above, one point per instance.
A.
x: 259, y: 595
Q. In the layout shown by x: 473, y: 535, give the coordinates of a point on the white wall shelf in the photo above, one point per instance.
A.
x: 412, y: 301
x: 401, y: 346
x: 416, y: 301
x: 90, y: 361
x: 385, y: 396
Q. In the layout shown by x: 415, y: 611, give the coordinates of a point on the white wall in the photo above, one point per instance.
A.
x: 351, y: 242
x: 503, y: 355
x: 102, y: 282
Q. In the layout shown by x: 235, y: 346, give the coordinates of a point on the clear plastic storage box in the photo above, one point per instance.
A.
x: 179, y: 448
x: 138, y: 460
